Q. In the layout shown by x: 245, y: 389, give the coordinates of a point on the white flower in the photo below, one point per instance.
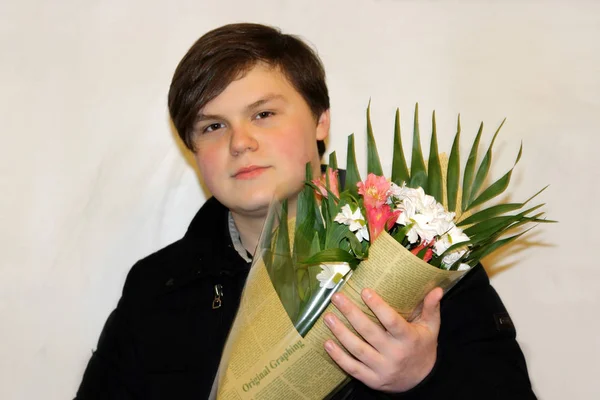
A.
x: 453, y: 257
x: 362, y: 233
x: 453, y: 236
x: 428, y: 217
x: 331, y: 274
x: 355, y: 221
x: 463, y: 267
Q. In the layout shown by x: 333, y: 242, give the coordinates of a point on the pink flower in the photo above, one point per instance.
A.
x: 380, y: 218
x: 392, y: 219
x: 321, y: 183
x: 428, y: 252
x: 374, y: 190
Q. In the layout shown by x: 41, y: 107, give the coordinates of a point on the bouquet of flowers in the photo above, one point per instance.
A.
x: 422, y: 209
x: 401, y: 236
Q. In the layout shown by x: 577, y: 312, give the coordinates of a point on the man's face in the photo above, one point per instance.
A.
x: 254, y: 140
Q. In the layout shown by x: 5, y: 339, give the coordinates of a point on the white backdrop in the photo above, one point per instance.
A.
x: 93, y: 178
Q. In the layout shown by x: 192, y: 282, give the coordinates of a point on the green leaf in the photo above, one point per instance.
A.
x: 475, y: 258
x: 434, y: 180
x: 435, y: 261
x: 335, y: 233
x: 283, y: 273
x: 470, y: 170
x: 303, y: 287
x: 418, y: 174
x: 305, y: 227
x: 490, y: 212
x: 453, y: 173
x: 454, y: 267
x: 309, y: 207
x: 312, y: 272
x: 497, y: 187
x: 484, y: 168
x: 282, y: 244
x: 332, y: 255
x: 486, y: 228
x: 422, y: 252
x: 315, y: 246
x: 373, y: 162
x: 493, y: 211
x: 326, y: 211
x: 356, y: 246
x: 526, y: 220
x: 331, y: 198
x: 352, y: 174
x: 455, y: 246
x: 334, y: 166
x: 402, y: 232
x: 399, y: 168
x: 333, y: 161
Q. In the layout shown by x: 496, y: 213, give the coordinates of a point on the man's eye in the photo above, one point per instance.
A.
x: 212, y: 128
x: 264, y: 114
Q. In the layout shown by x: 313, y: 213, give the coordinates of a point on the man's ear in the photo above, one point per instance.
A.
x: 323, y: 125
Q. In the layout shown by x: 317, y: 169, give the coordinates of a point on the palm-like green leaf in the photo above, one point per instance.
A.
x: 496, y: 210
x: 455, y: 246
x: 352, y: 174
x: 418, y: 174
x: 497, y: 187
x: 453, y: 174
x: 475, y: 257
x: 373, y: 162
x: 470, y: 170
x: 399, y: 168
x: 488, y: 213
x: 434, y: 178
x: 484, y: 168
x: 489, y: 227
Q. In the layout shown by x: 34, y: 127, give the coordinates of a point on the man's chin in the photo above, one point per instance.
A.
x: 259, y: 207
x: 253, y: 207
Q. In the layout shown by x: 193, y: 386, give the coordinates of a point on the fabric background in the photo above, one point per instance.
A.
x: 93, y: 176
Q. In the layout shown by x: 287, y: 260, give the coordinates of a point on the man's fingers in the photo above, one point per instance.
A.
x: 369, y: 330
x: 431, y: 309
x: 352, y: 366
x: 389, y: 318
x: 360, y: 349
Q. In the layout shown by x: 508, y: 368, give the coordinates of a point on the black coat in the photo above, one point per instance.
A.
x: 164, y: 339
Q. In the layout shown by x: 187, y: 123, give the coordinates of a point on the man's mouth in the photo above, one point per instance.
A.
x: 249, y: 172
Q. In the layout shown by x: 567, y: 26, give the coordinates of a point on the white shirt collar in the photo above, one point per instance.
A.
x: 236, y: 240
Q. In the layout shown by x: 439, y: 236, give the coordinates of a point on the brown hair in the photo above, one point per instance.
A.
x: 226, y: 54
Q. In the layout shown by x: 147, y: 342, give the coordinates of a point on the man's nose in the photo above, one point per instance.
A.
x: 242, y: 139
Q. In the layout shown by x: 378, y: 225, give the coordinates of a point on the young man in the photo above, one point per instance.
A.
x: 252, y: 105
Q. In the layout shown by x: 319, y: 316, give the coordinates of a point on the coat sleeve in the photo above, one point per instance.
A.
x: 478, y: 355
x: 112, y: 371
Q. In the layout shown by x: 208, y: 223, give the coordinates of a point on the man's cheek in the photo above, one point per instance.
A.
x: 208, y: 171
x: 296, y: 154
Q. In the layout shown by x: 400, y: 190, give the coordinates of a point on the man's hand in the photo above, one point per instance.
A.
x: 394, y: 359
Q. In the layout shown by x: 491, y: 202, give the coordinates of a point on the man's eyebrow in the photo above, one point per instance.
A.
x: 265, y: 99
x: 270, y: 97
